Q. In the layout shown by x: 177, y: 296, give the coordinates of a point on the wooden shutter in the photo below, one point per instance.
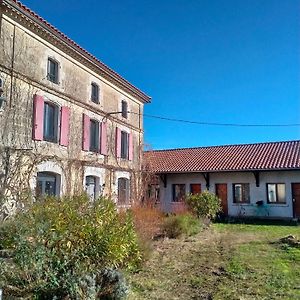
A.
x: 103, y: 138
x: 118, y: 142
x: 130, y: 146
x: 38, y: 118
x: 64, y: 125
x: 86, y: 133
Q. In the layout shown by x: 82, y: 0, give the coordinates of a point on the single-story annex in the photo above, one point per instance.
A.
x: 258, y: 180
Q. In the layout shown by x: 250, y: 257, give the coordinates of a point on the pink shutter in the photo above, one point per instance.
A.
x: 130, y: 147
x: 118, y: 142
x: 64, y: 125
x: 38, y: 118
x: 86, y: 133
x: 103, y: 138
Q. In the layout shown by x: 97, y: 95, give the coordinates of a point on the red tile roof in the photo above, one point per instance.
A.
x: 262, y: 156
x: 25, y: 10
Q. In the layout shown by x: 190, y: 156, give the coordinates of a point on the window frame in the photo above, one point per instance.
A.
x: 96, y: 147
x: 95, y: 98
x: 181, y: 199
x: 276, y: 195
x: 124, y: 109
x: 56, y: 117
x: 53, y: 78
x: 244, y: 201
x: 124, y: 144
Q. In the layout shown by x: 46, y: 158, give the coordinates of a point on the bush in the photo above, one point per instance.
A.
x: 176, y: 226
x: 60, y: 243
x: 204, y: 205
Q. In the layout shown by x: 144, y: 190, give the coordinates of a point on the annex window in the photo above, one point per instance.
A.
x: 123, y: 191
x: 195, y: 188
x: 241, y: 193
x: 50, y: 122
x: 178, y: 192
x: 94, y: 136
x: 47, y: 184
x: 276, y: 193
x: 124, y: 109
x: 94, y: 93
x: 52, y: 70
x: 124, y: 144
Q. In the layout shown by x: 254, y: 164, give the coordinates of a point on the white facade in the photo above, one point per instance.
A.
x: 257, y: 193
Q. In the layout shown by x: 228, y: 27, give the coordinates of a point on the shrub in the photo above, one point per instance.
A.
x: 204, y: 205
x: 59, y: 242
x: 179, y: 225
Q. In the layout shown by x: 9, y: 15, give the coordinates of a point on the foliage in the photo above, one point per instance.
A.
x: 57, y: 243
x: 185, y: 224
x: 204, y: 205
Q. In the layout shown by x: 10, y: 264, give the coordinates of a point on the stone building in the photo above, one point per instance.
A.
x: 68, y: 122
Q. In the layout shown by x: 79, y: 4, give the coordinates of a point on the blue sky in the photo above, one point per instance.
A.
x: 227, y: 61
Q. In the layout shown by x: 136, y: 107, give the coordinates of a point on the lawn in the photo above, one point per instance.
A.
x: 226, y: 261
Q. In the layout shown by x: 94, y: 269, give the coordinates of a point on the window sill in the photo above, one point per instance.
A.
x: 243, y: 204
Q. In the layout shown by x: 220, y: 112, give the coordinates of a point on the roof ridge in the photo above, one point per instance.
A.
x: 225, y: 145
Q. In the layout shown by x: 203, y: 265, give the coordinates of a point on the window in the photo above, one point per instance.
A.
x: 124, y: 144
x: 276, y: 193
x: 94, y: 92
x: 124, y: 109
x: 90, y: 186
x: 52, y: 72
x: 123, y: 191
x: 50, y: 122
x: 47, y: 184
x: 94, y: 136
x: 178, y: 192
x: 241, y: 193
x: 195, y: 188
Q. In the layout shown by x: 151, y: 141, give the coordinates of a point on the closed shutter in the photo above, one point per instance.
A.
x: 86, y: 133
x: 64, y: 125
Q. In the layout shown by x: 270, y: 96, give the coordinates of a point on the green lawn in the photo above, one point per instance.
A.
x: 227, y: 261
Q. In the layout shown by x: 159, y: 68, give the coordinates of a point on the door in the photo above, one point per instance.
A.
x: 296, y: 199
x: 221, y: 192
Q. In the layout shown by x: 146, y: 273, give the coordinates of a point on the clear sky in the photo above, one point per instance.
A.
x: 227, y: 61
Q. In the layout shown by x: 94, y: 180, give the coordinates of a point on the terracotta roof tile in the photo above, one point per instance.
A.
x: 261, y: 156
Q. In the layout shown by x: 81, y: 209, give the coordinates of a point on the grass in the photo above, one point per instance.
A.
x: 227, y: 261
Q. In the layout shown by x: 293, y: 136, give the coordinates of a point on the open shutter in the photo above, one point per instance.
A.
x: 118, y: 142
x: 130, y: 147
x: 64, y: 125
x: 38, y: 118
x: 86, y: 133
x: 103, y: 138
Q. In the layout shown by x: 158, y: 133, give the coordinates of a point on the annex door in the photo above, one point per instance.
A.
x: 221, y: 192
x: 296, y: 199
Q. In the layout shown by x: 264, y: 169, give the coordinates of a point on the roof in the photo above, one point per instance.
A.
x: 245, y: 157
x: 21, y: 8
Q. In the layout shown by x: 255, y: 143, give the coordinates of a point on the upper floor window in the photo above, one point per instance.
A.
x: 94, y: 92
x: 124, y: 109
x: 124, y: 144
x: 52, y: 71
x: 276, y: 192
x: 50, y: 122
x: 94, y: 136
x: 241, y: 193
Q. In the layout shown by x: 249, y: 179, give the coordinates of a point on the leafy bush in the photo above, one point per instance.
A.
x: 176, y: 226
x: 204, y: 205
x: 58, y: 244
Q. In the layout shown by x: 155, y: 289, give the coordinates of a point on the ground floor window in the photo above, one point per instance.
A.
x: 91, y: 186
x: 241, y: 193
x: 276, y: 192
x: 123, y: 191
x: 195, y: 188
x: 47, y: 184
x: 178, y: 192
